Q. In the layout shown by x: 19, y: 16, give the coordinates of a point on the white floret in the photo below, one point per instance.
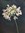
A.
x: 18, y: 9
x: 17, y: 14
x: 4, y: 10
x: 12, y: 12
x: 15, y: 18
x: 14, y: 6
x: 7, y: 5
x: 3, y: 13
x: 20, y: 12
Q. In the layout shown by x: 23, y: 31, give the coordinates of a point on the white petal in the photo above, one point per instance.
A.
x: 15, y: 18
x: 14, y: 6
x: 17, y: 14
x: 20, y: 12
x: 19, y: 8
x: 7, y: 5
x: 3, y: 13
x: 7, y: 17
x: 4, y: 10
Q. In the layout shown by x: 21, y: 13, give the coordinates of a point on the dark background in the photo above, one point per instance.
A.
x: 10, y: 27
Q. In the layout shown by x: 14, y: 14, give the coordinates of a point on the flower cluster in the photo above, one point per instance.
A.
x: 10, y: 11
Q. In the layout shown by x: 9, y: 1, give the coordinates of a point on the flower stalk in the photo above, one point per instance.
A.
x: 16, y: 27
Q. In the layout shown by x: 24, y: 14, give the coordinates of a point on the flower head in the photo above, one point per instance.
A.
x: 10, y: 10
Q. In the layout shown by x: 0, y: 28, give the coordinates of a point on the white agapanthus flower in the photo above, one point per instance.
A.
x: 10, y: 10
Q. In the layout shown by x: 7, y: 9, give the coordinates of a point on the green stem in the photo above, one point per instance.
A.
x: 16, y: 26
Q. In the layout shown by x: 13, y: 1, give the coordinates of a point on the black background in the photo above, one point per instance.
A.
x: 10, y: 27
